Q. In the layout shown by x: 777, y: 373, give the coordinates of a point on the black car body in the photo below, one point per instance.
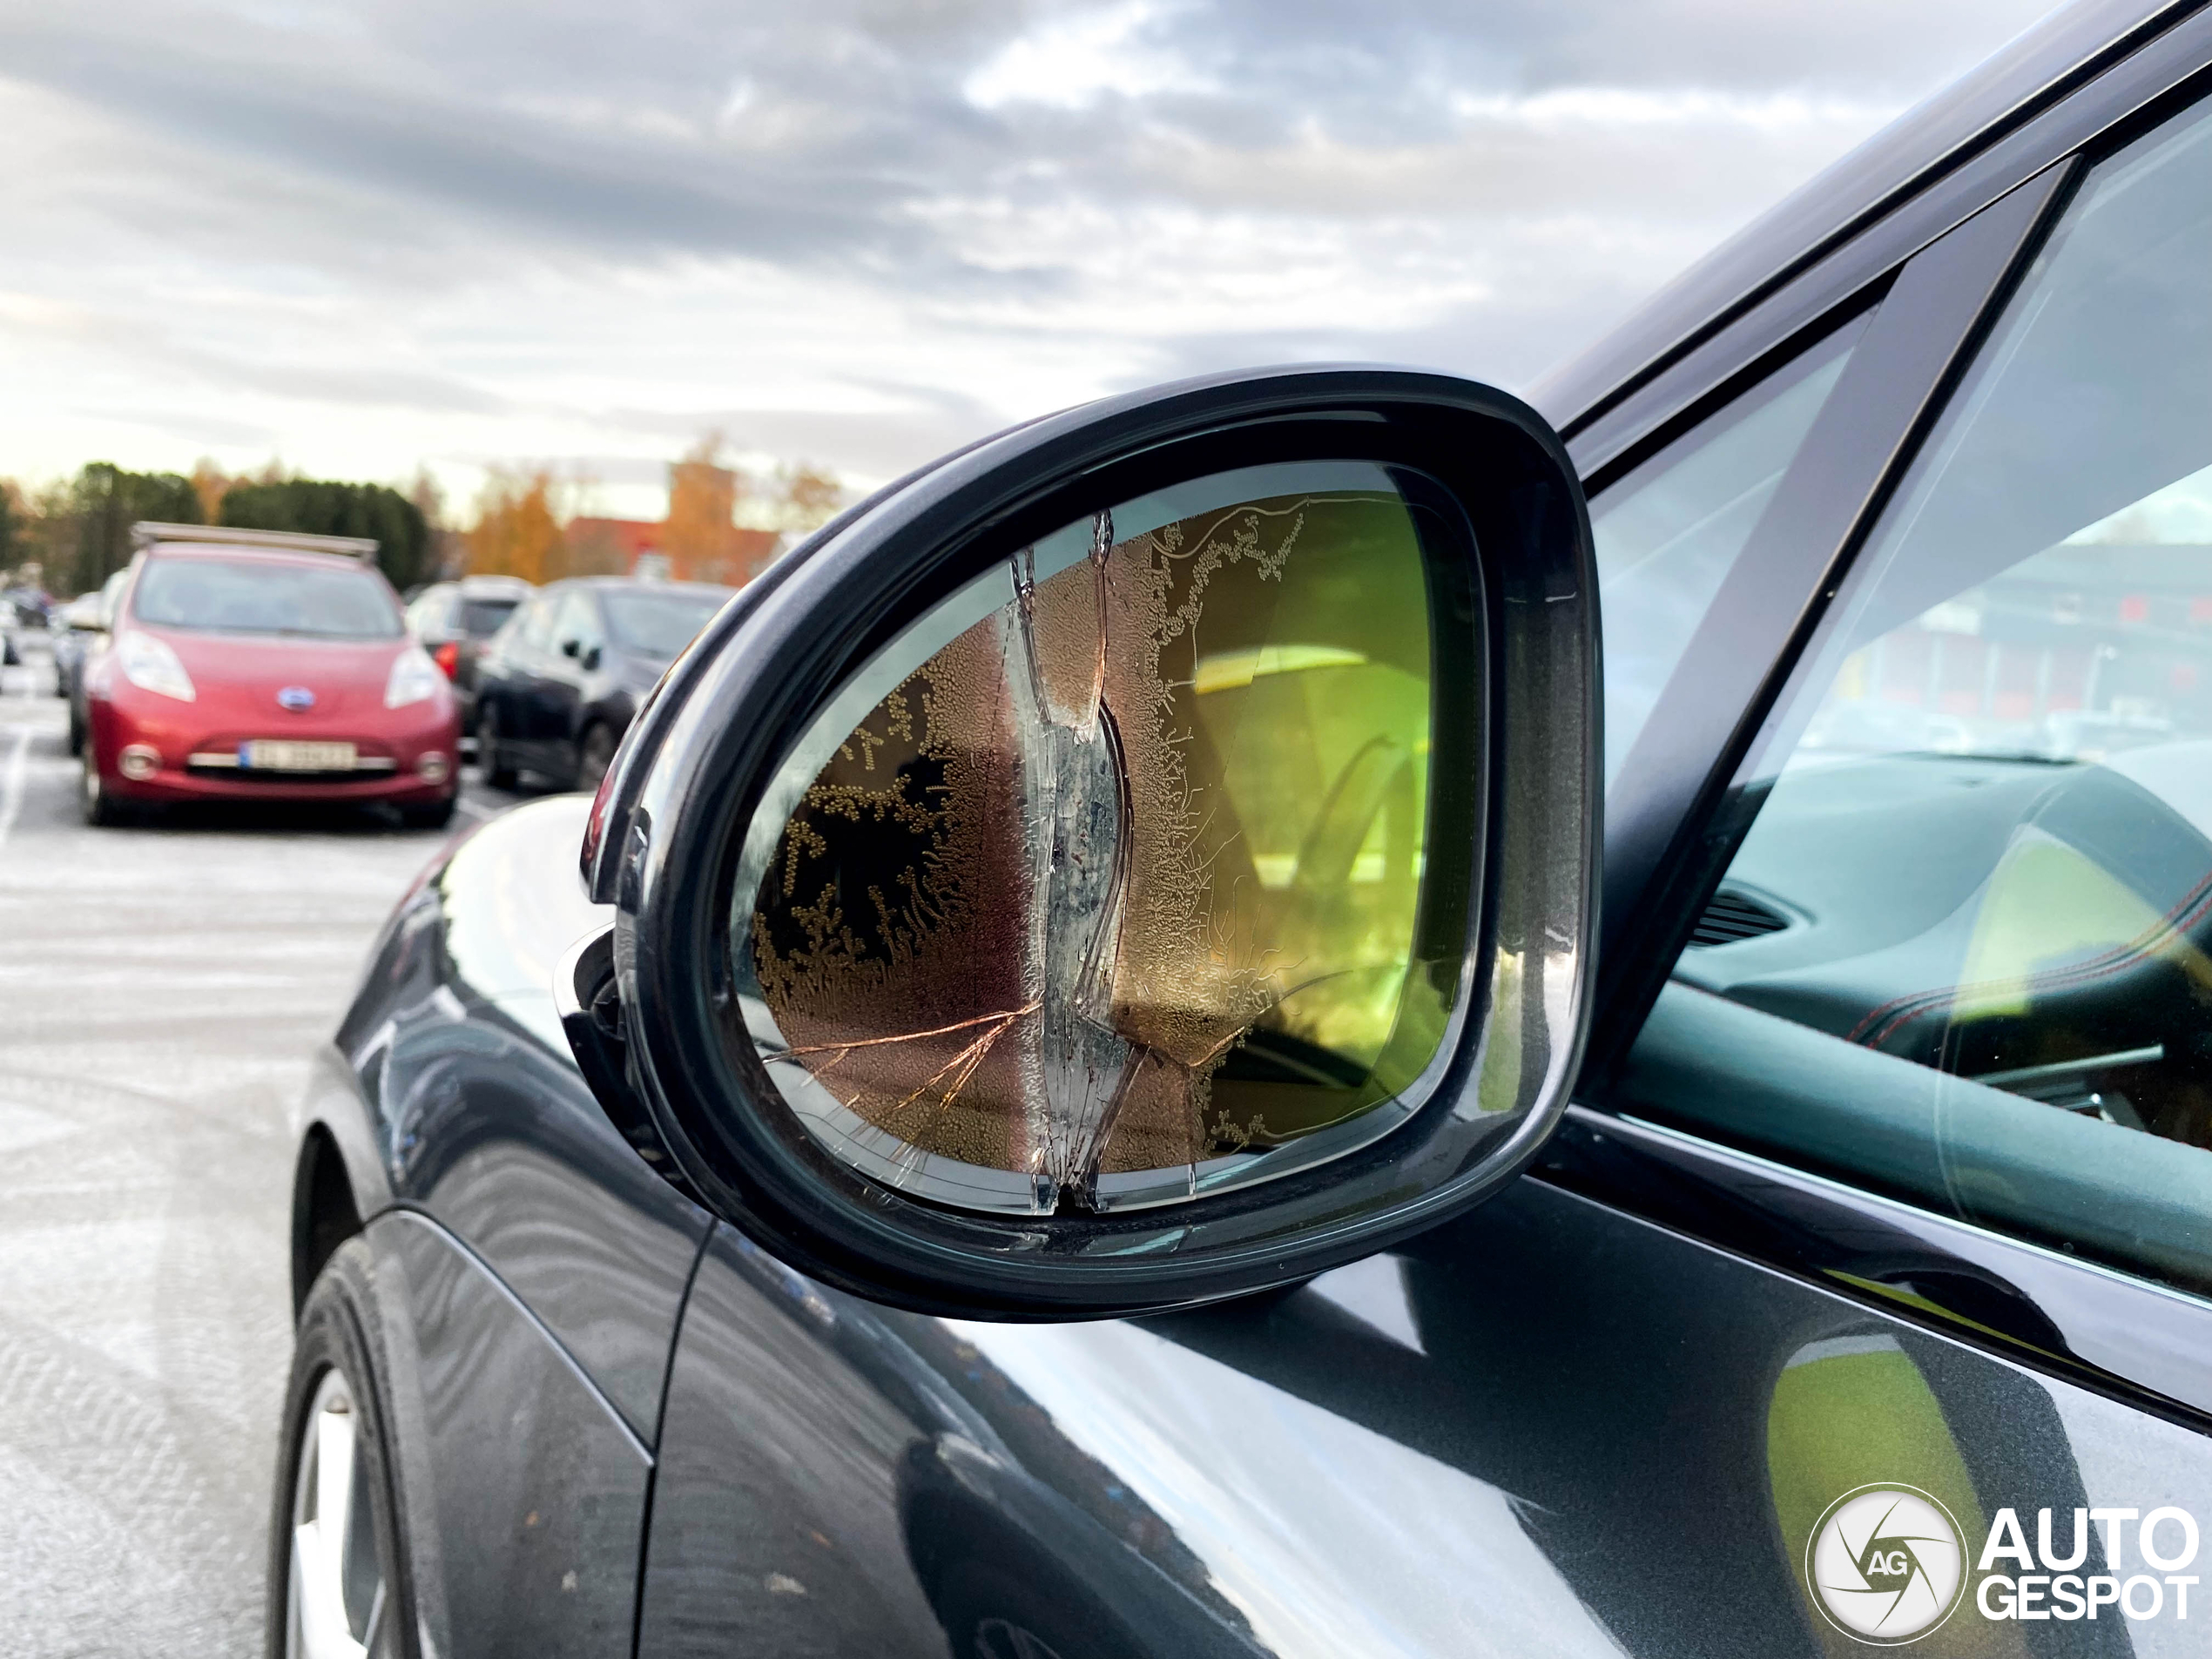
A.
x: 1764, y: 1263
x: 454, y: 621
x: 557, y: 684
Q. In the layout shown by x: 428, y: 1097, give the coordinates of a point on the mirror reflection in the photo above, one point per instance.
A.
x: 1102, y: 886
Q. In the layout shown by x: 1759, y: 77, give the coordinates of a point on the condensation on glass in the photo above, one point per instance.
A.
x: 1101, y: 886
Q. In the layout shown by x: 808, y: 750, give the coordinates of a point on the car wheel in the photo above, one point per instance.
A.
x: 499, y: 771
x: 989, y: 1612
x: 436, y: 815
x: 594, y: 754
x: 338, y: 1582
x: 101, y: 809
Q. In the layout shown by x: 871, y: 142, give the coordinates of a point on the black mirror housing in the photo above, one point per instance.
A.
x: 1301, y: 1029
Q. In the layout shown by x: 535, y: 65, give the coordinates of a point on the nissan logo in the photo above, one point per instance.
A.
x: 298, y: 699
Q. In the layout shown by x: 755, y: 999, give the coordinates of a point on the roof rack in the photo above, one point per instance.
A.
x: 147, y: 532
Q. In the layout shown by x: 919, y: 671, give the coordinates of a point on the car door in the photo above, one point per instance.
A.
x: 578, y: 642
x: 530, y: 684
x: 1783, y: 1263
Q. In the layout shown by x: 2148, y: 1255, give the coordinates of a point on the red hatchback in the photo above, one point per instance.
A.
x: 256, y: 669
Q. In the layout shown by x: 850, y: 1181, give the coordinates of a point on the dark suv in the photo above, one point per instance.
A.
x: 562, y: 680
x: 1111, y: 1087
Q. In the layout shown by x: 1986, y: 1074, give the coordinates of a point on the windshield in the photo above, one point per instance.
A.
x: 253, y: 597
x: 481, y: 618
x: 658, y: 624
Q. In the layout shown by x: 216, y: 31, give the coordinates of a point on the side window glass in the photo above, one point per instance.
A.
x: 535, y: 629
x: 1669, y: 534
x: 1964, y: 953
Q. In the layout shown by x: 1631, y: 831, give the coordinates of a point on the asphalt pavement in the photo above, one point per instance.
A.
x: 160, y: 989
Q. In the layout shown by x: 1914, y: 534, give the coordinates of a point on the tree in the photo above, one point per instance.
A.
x: 701, y: 538
x: 325, y: 507
x: 211, y: 484
x: 104, y: 502
x: 516, y: 532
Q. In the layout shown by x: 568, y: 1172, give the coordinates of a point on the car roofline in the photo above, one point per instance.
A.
x: 2032, y: 72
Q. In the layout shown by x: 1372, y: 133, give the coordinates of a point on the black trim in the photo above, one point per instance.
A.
x: 1661, y: 829
x: 2148, y: 1346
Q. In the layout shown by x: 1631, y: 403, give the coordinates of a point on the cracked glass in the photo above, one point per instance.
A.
x: 1104, y: 885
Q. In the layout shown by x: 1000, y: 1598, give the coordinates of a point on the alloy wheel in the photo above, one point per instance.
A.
x: 336, y: 1596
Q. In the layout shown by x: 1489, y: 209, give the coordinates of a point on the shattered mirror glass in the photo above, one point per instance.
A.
x: 1104, y: 885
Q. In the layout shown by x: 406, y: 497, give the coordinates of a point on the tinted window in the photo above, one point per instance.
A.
x: 482, y: 618
x: 1669, y: 534
x: 657, y: 623
x: 253, y: 597
x: 1965, y: 951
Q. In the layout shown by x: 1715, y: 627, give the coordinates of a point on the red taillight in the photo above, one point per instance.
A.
x: 448, y: 657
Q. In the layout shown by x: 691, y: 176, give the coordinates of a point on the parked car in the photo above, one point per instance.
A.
x: 455, y: 620
x: 84, y: 634
x: 558, y: 686
x: 1047, y: 1130
x: 260, y: 666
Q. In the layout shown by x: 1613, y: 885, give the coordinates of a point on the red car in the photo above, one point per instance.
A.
x: 264, y: 667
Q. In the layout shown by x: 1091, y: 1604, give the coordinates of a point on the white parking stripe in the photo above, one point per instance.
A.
x: 12, y: 790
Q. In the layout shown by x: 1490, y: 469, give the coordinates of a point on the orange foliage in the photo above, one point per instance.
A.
x: 517, y: 533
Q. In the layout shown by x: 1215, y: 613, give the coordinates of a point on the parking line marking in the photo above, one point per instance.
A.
x: 12, y: 792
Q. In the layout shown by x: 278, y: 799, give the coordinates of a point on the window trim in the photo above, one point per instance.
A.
x: 2140, y: 1342
x: 1669, y: 823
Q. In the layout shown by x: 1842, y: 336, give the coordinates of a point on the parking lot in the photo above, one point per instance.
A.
x: 160, y: 989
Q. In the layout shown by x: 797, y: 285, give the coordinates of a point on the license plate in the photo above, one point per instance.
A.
x: 269, y: 754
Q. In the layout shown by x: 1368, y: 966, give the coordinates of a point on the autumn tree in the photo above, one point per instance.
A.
x: 211, y: 484
x: 326, y: 507
x: 701, y: 537
x: 517, y: 532
x: 804, y: 497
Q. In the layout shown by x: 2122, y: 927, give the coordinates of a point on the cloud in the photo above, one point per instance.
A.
x: 859, y: 230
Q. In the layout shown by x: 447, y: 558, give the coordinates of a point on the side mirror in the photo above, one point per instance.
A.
x: 591, y: 658
x: 571, y: 647
x: 1146, y: 858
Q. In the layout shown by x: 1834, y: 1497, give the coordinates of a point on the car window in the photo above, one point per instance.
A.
x: 661, y: 624
x: 1669, y: 532
x: 536, y: 627
x: 428, y: 613
x: 1965, y: 952
x: 253, y: 597
x: 482, y: 618
x: 576, y: 623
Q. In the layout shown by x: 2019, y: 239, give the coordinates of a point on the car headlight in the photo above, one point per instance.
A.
x: 149, y: 663
x: 414, y: 676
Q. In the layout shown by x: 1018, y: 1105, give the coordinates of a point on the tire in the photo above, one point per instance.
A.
x: 991, y: 1611
x: 340, y: 1568
x: 499, y: 771
x: 101, y: 810
x: 595, y: 752
x: 436, y: 815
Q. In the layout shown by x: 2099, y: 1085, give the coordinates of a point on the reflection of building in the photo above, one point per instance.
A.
x: 2083, y: 649
x: 645, y: 549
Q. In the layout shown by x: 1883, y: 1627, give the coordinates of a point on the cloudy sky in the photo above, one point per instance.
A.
x: 363, y: 235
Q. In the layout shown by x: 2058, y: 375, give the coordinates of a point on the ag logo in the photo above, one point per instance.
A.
x: 1884, y: 1564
